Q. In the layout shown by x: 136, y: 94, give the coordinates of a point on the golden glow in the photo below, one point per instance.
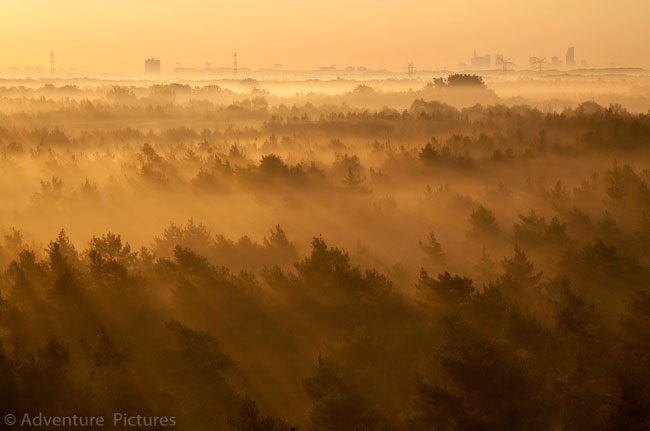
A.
x: 119, y: 34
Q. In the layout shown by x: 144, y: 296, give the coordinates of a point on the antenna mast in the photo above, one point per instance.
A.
x: 234, y: 67
x: 505, y: 62
x: 540, y: 63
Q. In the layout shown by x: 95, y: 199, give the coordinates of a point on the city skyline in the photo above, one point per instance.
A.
x: 117, y: 35
x: 483, y: 62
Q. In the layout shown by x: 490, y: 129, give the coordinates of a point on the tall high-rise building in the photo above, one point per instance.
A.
x: 152, y: 66
x: 570, y: 57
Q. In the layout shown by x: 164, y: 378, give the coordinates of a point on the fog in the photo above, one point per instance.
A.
x: 444, y: 251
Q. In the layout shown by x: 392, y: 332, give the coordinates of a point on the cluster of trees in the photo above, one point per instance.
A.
x: 321, y: 344
x: 457, y: 80
x: 496, y: 278
x: 300, y: 153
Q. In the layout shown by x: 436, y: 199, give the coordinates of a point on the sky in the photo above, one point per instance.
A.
x: 119, y: 34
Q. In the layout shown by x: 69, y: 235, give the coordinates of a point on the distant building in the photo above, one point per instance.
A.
x: 152, y: 66
x: 570, y: 57
x: 532, y: 61
x: 481, y: 61
x: 498, y: 59
x: 555, y: 61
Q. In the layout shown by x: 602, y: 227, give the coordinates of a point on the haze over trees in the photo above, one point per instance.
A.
x: 252, y: 262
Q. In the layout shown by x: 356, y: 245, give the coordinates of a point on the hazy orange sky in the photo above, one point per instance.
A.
x: 119, y: 34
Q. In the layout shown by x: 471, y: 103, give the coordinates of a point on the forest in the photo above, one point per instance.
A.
x: 438, y: 258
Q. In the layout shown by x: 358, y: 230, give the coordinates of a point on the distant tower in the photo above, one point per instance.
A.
x: 540, y: 62
x: 234, y: 65
x: 505, y: 62
x: 570, y: 57
x: 411, y: 69
x: 52, y: 63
